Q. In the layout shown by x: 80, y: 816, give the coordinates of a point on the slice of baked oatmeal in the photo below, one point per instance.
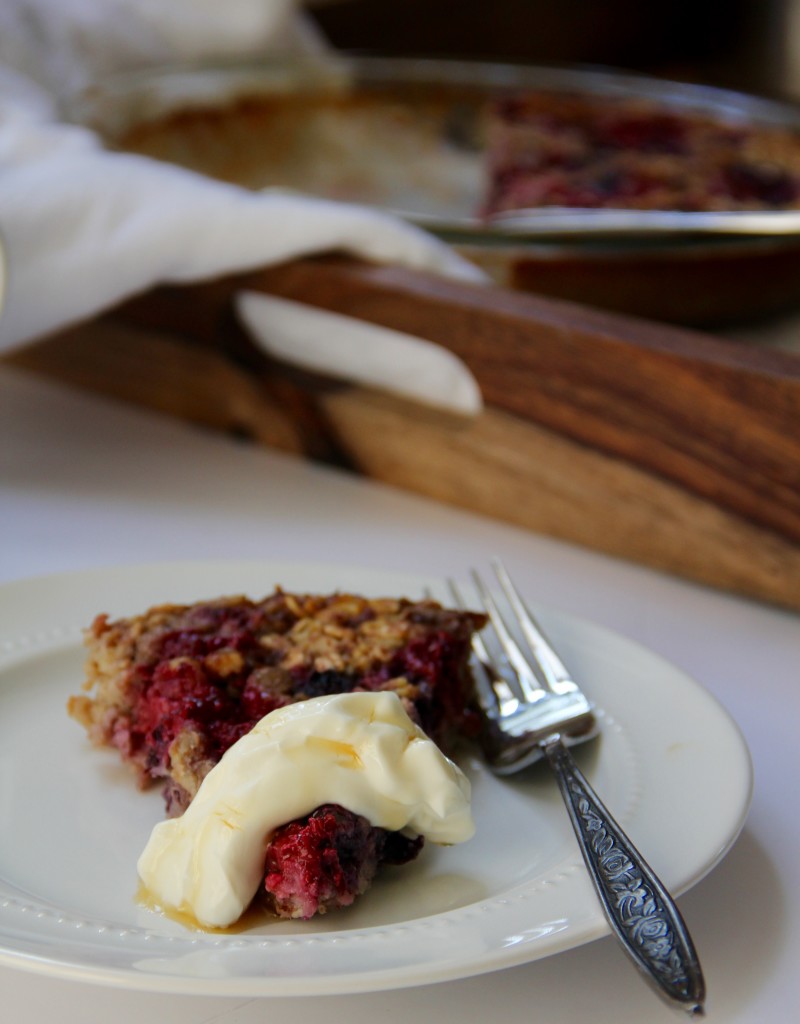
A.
x: 172, y: 689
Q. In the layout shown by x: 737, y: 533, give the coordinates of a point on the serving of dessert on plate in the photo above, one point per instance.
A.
x: 291, y: 735
x: 455, y: 912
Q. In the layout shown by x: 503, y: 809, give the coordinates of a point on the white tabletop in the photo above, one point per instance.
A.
x: 85, y: 482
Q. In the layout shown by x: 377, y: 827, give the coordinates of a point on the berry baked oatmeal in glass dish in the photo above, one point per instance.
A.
x: 175, y: 688
x: 612, y: 152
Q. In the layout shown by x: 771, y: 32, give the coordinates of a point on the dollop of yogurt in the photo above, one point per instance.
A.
x: 359, y: 750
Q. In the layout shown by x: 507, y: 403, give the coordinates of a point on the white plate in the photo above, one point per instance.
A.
x: 670, y: 763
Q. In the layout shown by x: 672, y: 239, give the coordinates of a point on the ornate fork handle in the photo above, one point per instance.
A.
x: 638, y: 907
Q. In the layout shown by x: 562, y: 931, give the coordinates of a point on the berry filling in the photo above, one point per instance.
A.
x: 201, y: 686
x: 580, y: 151
x: 326, y: 860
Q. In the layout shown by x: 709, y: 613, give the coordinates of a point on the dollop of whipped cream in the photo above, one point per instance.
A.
x: 359, y: 750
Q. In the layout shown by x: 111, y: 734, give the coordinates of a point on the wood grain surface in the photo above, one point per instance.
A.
x: 663, y: 446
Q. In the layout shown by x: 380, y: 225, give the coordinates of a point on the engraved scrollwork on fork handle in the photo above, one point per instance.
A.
x: 638, y: 907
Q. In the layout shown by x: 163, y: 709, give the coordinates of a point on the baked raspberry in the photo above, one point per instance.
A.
x: 326, y: 860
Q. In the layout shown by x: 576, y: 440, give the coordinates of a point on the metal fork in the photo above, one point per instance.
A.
x: 532, y: 708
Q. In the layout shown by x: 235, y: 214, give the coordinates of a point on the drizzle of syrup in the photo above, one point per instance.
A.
x: 256, y: 914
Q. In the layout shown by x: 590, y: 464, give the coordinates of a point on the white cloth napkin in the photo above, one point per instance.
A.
x: 84, y: 228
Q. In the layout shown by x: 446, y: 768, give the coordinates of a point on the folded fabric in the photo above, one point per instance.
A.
x: 67, y: 45
x: 83, y: 227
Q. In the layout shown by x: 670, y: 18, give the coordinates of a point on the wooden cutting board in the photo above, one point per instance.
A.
x: 663, y: 446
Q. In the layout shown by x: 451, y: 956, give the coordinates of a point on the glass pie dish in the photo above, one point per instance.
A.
x: 419, y: 138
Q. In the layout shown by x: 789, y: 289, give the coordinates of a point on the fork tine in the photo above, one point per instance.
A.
x: 554, y: 672
x: 494, y: 692
x: 531, y: 688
